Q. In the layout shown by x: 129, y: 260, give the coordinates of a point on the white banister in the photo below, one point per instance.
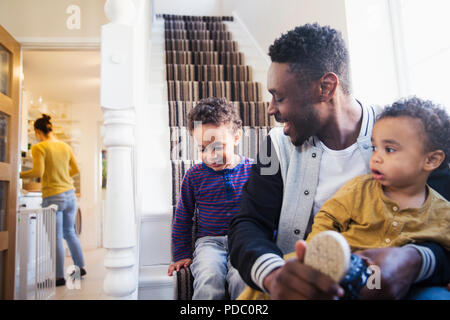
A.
x: 118, y: 103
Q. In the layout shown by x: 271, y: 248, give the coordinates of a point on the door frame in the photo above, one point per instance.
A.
x: 9, y: 170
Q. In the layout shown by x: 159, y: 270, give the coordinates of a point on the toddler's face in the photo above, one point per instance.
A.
x: 399, y: 155
x: 216, y: 144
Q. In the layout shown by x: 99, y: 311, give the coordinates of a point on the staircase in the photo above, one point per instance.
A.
x: 194, y: 58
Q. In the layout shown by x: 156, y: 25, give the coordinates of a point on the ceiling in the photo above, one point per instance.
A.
x: 63, y: 76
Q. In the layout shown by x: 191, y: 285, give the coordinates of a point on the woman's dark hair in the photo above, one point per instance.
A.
x: 217, y: 111
x: 434, y: 118
x: 311, y: 51
x: 44, y: 124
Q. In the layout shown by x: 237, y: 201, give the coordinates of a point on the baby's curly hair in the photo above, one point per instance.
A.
x: 216, y: 111
x: 435, y: 120
x: 311, y: 51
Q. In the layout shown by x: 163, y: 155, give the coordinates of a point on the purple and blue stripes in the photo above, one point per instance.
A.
x: 216, y: 195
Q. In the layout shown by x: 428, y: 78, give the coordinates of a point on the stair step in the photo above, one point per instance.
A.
x: 155, y: 237
x: 155, y: 284
x: 156, y: 218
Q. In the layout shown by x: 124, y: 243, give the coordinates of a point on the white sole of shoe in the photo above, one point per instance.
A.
x: 329, y: 253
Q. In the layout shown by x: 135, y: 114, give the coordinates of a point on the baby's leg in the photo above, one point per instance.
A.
x: 209, y: 268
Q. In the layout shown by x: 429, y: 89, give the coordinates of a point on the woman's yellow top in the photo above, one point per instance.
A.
x: 55, y: 164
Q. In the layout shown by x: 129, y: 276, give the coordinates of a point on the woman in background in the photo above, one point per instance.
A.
x: 55, y: 164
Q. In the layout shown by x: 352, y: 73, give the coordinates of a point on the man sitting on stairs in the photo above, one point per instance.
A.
x: 324, y: 143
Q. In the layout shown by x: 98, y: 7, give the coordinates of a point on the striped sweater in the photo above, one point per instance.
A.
x: 216, y: 195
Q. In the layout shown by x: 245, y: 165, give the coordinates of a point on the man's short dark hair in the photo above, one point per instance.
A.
x: 313, y: 50
x: 435, y: 120
x: 216, y: 111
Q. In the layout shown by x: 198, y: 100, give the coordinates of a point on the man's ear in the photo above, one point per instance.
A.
x: 434, y: 160
x: 328, y: 85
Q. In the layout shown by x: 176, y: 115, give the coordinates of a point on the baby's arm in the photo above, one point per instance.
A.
x: 335, y: 213
x: 332, y: 216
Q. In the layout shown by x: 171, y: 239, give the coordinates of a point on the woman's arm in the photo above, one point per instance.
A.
x: 38, y: 165
x: 73, y: 165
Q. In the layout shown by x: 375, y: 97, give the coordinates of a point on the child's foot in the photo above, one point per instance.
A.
x: 329, y: 253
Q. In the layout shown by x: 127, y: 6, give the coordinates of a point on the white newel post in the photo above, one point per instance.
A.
x: 118, y: 105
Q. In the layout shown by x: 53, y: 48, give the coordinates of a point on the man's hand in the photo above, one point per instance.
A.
x: 399, y: 268
x: 178, y: 265
x: 297, y: 281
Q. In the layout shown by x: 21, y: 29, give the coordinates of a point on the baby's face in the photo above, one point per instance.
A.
x: 399, y: 155
x: 216, y: 145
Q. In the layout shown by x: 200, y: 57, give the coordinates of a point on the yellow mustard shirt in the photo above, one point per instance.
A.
x: 367, y: 218
x: 54, y: 162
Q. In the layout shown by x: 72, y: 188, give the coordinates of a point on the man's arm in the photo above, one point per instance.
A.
x: 435, y: 270
x: 251, y: 234
x: 401, y: 267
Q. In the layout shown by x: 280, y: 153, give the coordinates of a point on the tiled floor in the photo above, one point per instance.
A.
x: 92, y: 283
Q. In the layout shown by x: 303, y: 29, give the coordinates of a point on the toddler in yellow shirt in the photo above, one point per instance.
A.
x: 393, y: 205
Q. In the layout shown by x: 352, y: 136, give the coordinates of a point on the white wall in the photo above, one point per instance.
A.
x: 266, y: 20
x: 90, y: 201
x: 365, y: 26
x: 47, y: 18
x: 372, y: 56
x: 188, y: 7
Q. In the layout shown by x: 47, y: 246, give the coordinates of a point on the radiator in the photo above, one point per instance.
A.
x: 36, y: 253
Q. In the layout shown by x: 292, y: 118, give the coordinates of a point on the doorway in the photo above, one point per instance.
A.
x: 66, y: 85
x: 10, y: 73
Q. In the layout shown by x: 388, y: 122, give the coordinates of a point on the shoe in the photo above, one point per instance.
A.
x: 60, y: 282
x: 329, y: 253
x: 82, y: 273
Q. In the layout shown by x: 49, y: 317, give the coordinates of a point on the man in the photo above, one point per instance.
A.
x: 324, y: 143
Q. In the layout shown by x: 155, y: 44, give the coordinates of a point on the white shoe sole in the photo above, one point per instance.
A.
x: 329, y: 253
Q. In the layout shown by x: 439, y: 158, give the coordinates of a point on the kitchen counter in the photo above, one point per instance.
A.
x: 30, y: 200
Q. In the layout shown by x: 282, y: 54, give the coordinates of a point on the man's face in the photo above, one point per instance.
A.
x: 398, y: 156
x: 292, y: 104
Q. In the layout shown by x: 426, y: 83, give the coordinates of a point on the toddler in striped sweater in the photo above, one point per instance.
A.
x: 213, y: 188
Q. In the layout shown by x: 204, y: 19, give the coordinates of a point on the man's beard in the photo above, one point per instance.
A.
x: 302, y: 129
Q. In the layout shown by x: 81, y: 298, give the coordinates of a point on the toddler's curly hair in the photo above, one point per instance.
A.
x: 435, y: 120
x: 216, y: 111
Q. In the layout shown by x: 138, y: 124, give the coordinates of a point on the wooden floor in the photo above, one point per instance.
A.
x: 91, y: 283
